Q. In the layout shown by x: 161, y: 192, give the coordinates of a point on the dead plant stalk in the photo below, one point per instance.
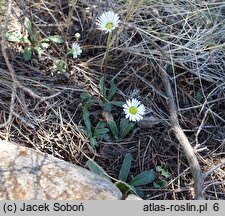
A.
x: 183, y: 140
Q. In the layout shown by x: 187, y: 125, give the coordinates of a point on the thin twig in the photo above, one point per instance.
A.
x: 206, y: 174
x: 14, y: 86
x: 212, y: 183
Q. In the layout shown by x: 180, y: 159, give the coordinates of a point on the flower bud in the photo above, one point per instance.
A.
x: 77, y: 36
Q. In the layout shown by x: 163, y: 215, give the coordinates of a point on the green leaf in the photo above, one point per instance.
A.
x: 125, y: 127
x: 125, y: 169
x: 102, y: 87
x: 56, y: 39
x: 93, y: 142
x: 100, y: 124
x: 143, y: 178
x: 45, y: 45
x: 90, y: 103
x: 100, y: 132
x: 95, y: 168
x: 117, y: 103
x: 169, y: 68
x: 27, y: 53
x: 33, y: 38
x: 112, y: 124
x: 199, y: 96
x: 86, y: 133
x: 160, y: 184
x: 38, y: 50
x: 165, y: 173
x: 45, y: 40
x: 13, y: 37
x: 163, y: 183
x: 28, y: 24
x: 126, y: 130
x: 163, y: 170
x: 158, y: 169
x: 140, y: 192
x: 25, y: 40
x: 112, y: 90
x: 106, y: 137
x: 107, y: 107
x: 61, y: 65
x: 125, y: 188
x: 123, y: 123
x: 86, y: 117
x: 85, y: 96
x: 113, y: 128
x: 156, y: 185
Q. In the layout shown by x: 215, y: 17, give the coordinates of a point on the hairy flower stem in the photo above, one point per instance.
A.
x: 105, y: 59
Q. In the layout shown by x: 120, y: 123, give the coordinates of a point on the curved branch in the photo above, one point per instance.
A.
x: 183, y: 140
x: 11, y: 71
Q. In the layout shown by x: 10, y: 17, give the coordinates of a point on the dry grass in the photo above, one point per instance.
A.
x: 187, y: 36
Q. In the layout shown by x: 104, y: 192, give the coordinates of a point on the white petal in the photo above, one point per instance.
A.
x: 131, y: 118
x: 129, y: 103
x: 127, y: 115
x: 125, y: 106
x: 139, y: 117
x: 126, y: 111
x: 109, y: 16
x: 136, y: 102
x: 141, y: 109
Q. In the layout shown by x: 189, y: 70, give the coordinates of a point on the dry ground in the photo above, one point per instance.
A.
x: 186, y: 38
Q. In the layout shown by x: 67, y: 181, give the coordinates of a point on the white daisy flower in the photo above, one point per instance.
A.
x: 108, y: 21
x: 76, y: 50
x: 134, y: 110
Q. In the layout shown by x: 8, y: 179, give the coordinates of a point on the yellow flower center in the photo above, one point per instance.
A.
x: 133, y: 110
x: 109, y: 25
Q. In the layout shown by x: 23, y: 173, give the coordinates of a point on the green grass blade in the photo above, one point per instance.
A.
x: 102, y: 87
x: 27, y: 53
x: 143, y: 178
x: 95, y: 168
x: 125, y: 169
x: 86, y: 118
x: 112, y: 90
x: 56, y: 39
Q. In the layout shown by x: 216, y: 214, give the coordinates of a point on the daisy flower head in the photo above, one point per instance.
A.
x: 134, y: 110
x: 76, y: 50
x: 108, y: 21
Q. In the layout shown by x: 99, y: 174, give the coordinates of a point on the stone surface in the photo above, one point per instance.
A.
x: 29, y: 174
x: 133, y: 197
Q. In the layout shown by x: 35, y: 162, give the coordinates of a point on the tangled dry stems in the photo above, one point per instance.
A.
x: 45, y: 112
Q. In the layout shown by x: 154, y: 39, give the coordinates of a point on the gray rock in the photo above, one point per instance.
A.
x: 133, y: 197
x: 27, y: 174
